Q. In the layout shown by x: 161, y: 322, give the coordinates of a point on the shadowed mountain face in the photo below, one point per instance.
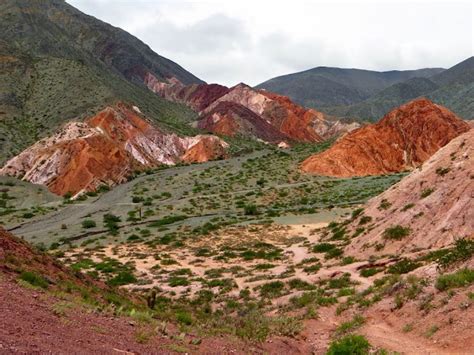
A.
x: 58, y: 64
x: 403, y: 139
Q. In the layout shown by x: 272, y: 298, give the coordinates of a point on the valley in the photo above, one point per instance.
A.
x: 146, y: 211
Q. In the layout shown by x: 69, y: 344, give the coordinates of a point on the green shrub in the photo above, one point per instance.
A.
x: 384, y: 204
x: 403, y: 266
x: 88, y: 223
x: 463, y: 250
x: 323, y: 247
x: 272, y: 289
x: 365, y: 220
x: 369, y: 272
x: 349, y: 345
x: 111, y: 223
x: 184, y: 317
x: 396, y: 232
x: 351, y: 325
x: 408, y: 206
x: 250, y: 210
x: 34, y: 279
x: 442, y: 171
x: 426, y: 192
x: 167, y: 220
x: 460, y: 278
x: 122, y: 278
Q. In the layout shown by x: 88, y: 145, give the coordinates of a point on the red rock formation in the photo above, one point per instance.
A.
x: 196, y: 96
x: 205, y: 147
x: 106, y: 149
x: 231, y: 119
x: 292, y: 121
x: 403, y: 139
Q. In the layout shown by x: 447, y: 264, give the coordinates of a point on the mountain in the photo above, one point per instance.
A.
x: 434, y: 204
x: 395, y: 95
x: 230, y: 118
x: 58, y: 64
x: 453, y: 88
x: 324, y: 86
x: 403, y: 139
x: 244, y: 111
x: 105, y: 150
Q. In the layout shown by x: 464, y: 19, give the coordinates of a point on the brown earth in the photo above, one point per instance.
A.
x: 436, y: 202
x: 403, y: 139
x: 106, y: 149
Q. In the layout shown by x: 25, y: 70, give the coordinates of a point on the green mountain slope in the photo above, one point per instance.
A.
x: 453, y: 88
x: 324, y: 86
x: 386, y: 100
x: 57, y: 64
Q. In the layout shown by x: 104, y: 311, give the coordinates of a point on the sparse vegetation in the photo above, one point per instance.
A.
x: 396, y: 232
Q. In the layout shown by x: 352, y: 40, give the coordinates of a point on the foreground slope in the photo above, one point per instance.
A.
x: 403, y: 139
x: 106, y: 149
x: 434, y: 204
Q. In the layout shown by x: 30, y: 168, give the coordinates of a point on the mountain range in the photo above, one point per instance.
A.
x: 368, y: 95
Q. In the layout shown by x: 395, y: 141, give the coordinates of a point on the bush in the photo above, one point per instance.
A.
x: 184, y: 317
x: 403, y: 266
x: 123, y: 278
x: 463, y: 250
x: 349, y: 345
x: 250, y: 210
x: 167, y: 220
x: 396, y: 232
x: 365, y: 220
x: 323, y: 247
x: 460, y: 278
x: 88, y: 223
x: 272, y: 289
x: 34, y: 279
x: 111, y: 222
x: 368, y: 272
x: 426, y: 192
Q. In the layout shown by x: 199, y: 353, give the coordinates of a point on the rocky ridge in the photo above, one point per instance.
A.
x: 402, y: 140
x: 106, y: 149
x: 246, y: 111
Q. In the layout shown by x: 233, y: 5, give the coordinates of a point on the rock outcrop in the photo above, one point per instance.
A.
x: 434, y: 205
x: 106, y: 149
x: 402, y: 140
x: 231, y: 119
x: 242, y: 110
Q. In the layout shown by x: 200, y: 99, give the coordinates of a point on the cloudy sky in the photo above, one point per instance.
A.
x: 250, y: 41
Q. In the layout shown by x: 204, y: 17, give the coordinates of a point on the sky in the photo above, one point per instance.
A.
x: 251, y: 41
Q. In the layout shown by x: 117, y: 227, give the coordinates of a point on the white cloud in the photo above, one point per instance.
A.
x: 252, y: 41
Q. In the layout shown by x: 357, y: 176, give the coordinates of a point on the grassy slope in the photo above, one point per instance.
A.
x: 57, y: 64
x: 323, y: 86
